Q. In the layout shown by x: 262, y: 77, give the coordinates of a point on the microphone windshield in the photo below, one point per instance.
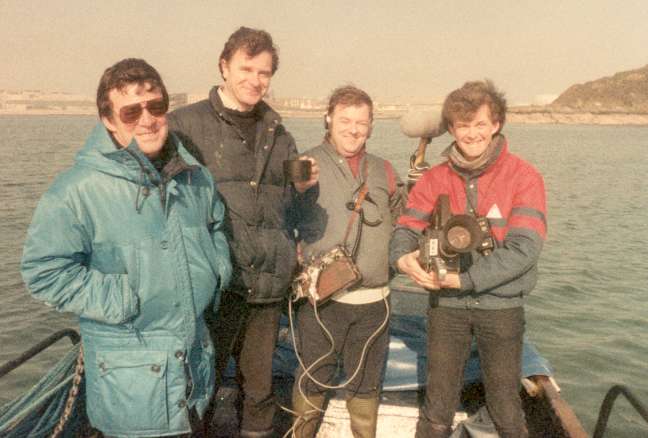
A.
x: 422, y: 123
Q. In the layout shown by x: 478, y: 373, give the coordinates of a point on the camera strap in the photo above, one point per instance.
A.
x: 362, y: 194
x: 485, y: 226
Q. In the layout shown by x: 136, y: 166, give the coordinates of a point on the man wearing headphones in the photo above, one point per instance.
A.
x: 357, y: 318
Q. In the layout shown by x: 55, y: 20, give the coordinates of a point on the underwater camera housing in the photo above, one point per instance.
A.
x: 449, y: 236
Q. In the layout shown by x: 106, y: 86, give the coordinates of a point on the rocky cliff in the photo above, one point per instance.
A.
x: 625, y: 92
x: 621, y: 99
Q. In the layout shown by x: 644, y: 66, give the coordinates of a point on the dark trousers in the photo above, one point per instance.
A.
x: 248, y: 332
x: 499, y: 342
x: 350, y: 325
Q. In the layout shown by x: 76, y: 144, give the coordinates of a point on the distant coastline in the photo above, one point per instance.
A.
x: 48, y: 112
x: 39, y: 103
x: 566, y: 116
x: 621, y: 99
x: 521, y: 115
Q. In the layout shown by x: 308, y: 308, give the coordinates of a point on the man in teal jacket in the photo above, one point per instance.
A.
x: 130, y: 240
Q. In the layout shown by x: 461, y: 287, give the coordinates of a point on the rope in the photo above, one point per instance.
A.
x: 36, y: 412
x: 72, y: 395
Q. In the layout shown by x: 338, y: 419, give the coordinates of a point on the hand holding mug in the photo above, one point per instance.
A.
x: 302, y: 172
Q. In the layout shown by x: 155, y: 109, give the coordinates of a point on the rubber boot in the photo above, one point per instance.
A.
x: 307, y: 416
x: 364, y: 416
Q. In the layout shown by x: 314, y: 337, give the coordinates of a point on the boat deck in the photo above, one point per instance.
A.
x: 547, y: 415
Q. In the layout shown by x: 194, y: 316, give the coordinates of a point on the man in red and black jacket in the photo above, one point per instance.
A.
x: 486, y: 298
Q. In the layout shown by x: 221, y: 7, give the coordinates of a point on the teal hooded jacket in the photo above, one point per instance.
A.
x: 139, y: 260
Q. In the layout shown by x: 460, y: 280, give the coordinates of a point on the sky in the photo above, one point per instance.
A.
x: 398, y: 51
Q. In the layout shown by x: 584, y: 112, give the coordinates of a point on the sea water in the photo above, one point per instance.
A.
x: 588, y: 315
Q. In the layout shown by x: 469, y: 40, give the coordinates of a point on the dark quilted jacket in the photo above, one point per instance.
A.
x: 260, y: 210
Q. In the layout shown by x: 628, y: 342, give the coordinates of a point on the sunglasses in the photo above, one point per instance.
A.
x: 130, y: 114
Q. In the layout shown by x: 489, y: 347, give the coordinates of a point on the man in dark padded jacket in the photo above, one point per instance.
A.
x: 242, y: 141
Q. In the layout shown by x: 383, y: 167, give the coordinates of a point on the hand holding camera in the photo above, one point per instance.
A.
x: 409, y: 264
x: 437, y: 263
x: 449, y: 236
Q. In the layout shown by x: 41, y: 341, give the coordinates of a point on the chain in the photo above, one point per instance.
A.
x: 72, y: 395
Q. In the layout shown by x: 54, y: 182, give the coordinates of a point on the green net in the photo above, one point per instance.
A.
x: 37, y: 412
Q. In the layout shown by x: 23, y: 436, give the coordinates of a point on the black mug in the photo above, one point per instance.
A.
x: 297, y: 170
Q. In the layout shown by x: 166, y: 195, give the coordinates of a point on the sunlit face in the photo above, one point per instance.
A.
x: 247, y: 78
x: 349, y: 128
x: 150, y: 132
x: 474, y: 136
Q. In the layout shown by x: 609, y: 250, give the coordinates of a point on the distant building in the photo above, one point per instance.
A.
x: 297, y: 103
x: 45, y: 102
x: 177, y: 100
x: 195, y: 97
x: 36, y: 101
x: 544, y: 99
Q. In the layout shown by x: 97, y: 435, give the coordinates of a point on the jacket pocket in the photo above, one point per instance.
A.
x: 128, y: 394
x: 117, y: 258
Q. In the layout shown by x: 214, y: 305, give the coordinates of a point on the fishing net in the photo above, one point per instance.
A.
x: 36, y: 413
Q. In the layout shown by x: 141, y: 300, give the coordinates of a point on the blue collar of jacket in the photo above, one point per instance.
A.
x: 101, y: 153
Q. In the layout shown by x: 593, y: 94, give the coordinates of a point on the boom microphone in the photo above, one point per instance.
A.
x: 422, y: 124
